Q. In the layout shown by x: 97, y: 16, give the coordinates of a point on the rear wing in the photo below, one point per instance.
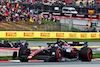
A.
x: 74, y: 43
x: 51, y: 44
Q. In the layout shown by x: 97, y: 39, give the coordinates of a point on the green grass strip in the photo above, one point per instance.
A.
x: 96, y: 55
x: 51, y: 39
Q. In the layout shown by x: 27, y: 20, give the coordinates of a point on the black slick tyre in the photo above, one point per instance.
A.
x: 14, y: 55
x: 23, y: 54
x: 85, y: 54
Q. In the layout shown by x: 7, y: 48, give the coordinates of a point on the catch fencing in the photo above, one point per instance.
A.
x: 82, y: 22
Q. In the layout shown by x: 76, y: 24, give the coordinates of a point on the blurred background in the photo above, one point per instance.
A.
x: 48, y: 15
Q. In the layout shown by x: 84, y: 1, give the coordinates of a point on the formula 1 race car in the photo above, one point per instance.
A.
x: 20, y: 43
x: 6, y: 44
x: 55, y: 52
x: 12, y: 44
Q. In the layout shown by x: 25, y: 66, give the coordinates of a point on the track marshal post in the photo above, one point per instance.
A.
x: 91, y: 12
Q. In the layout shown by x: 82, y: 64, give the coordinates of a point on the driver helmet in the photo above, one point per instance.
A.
x: 62, y: 42
x: 56, y: 45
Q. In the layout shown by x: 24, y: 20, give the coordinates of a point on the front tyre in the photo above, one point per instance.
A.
x: 23, y: 54
x: 14, y: 55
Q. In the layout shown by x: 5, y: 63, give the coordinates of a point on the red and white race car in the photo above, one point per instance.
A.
x: 55, y: 52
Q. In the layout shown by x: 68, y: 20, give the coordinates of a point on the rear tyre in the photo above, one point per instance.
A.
x: 85, y: 54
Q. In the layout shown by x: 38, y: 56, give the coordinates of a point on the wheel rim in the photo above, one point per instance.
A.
x: 59, y: 57
x: 77, y: 56
x: 90, y: 56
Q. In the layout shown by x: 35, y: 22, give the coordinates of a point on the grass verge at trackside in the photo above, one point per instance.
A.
x: 96, y: 55
x: 42, y: 39
x: 10, y: 57
x: 6, y: 58
x: 28, y: 26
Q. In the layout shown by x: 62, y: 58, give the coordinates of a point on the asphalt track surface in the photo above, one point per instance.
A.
x: 51, y: 64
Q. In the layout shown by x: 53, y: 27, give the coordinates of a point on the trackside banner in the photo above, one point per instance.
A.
x: 40, y: 34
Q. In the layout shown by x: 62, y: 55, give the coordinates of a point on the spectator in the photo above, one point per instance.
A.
x: 74, y: 3
x: 11, y: 12
x: 81, y: 4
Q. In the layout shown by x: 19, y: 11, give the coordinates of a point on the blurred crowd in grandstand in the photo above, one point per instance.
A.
x: 14, y: 12
x: 88, y: 3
